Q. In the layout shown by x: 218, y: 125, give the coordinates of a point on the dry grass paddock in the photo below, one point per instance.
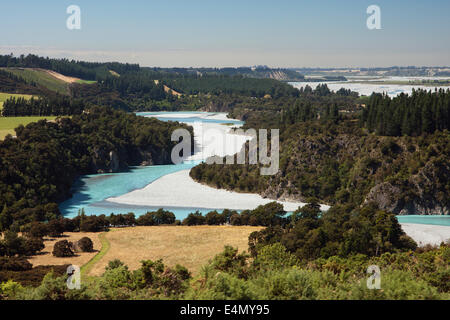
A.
x: 190, y: 246
x: 46, y: 257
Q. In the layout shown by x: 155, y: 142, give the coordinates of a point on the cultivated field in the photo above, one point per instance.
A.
x: 8, y: 124
x: 191, y: 247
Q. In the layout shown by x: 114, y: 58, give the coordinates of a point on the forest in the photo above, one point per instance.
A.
x: 54, y: 105
x: 38, y: 167
x: 422, y: 112
x: 328, y: 154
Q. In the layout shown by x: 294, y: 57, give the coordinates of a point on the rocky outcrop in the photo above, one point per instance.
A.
x: 419, y: 195
x: 114, y: 163
x: 108, y: 161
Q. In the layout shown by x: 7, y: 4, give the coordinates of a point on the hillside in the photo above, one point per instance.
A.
x: 42, y: 78
x: 341, y: 163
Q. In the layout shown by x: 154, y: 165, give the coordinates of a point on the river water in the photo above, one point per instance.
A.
x: 91, y: 192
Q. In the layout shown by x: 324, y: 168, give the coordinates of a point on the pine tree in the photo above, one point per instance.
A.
x: 5, y: 219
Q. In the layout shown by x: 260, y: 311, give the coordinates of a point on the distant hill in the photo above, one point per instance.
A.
x: 41, y: 77
x: 260, y: 72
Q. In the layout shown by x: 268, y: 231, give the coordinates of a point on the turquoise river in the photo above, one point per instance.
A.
x: 91, y: 191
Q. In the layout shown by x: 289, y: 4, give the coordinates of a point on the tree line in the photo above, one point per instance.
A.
x: 222, y: 84
x: 55, y: 105
x: 422, y: 112
x: 73, y: 68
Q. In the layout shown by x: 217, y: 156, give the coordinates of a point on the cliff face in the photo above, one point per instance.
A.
x: 108, y: 161
x: 424, y: 193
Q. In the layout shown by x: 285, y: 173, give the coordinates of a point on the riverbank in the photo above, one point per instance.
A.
x: 180, y: 190
x: 425, y: 234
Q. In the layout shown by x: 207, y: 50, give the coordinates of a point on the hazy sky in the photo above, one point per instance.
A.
x: 281, y: 33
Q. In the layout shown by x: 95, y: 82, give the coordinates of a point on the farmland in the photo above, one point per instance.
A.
x: 42, y: 77
x: 190, y: 246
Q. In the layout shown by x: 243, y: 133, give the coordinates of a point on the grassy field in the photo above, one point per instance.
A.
x: 6, y: 96
x: 42, y: 77
x: 86, y: 81
x: 191, y: 247
x: 8, y: 124
x: 105, y: 245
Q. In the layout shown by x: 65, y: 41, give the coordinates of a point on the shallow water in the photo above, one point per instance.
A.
x: 433, y: 220
x: 90, y: 191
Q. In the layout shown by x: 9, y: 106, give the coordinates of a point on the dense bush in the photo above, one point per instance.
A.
x: 15, y: 264
x: 37, y: 229
x: 194, y: 219
x: 12, y: 245
x: 156, y: 218
x: 93, y: 223
x: 32, y: 277
x: 413, y: 115
x: 264, y: 215
x: 55, y: 227
x: 342, y: 230
x: 275, y: 273
x: 85, y: 244
x: 63, y: 249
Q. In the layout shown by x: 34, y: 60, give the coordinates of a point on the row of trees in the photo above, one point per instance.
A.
x: 411, y: 115
x: 12, y: 244
x: 10, y: 83
x: 264, y: 215
x: 53, y: 106
x: 79, y: 69
x: 217, y: 84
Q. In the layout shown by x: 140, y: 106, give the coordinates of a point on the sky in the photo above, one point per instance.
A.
x: 210, y: 33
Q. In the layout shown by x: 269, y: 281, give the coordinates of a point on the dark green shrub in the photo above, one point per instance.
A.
x: 86, y: 244
x: 63, y: 249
